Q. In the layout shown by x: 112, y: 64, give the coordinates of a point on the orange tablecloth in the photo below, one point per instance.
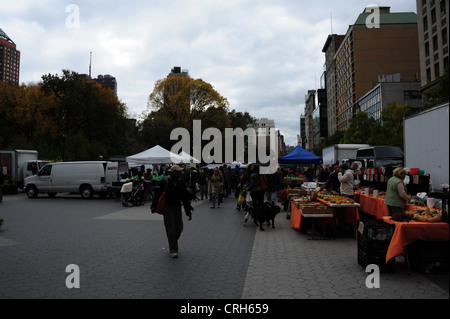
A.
x: 296, y: 216
x: 373, y: 205
x: 350, y: 218
x: 408, y: 233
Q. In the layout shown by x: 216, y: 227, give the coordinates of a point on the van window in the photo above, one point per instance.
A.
x: 365, y: 152
x: 45, y: 171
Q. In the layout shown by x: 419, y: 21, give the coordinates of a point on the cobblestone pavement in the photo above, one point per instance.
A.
x: 122, y: 253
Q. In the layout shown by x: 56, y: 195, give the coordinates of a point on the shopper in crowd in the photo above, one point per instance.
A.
x: 202, y: 184
x: 176, y: 195
x: 255, y: 189
x: 238, y: 188
x: 216, y: 181
x: 148, y: 179
x: 346, y: 177
x: 333, y: 183
x: 396, y: 196
x: 273, y: 183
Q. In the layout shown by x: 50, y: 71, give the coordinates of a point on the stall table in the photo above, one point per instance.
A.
x: 351, y: 214
x: 297, y: 214
x: 373, y: 205
x: 407, y: 233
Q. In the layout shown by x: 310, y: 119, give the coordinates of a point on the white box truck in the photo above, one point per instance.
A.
x: 86, y: 178
x: 16, y: 165
x: 339, y: 152
x: 426, y: 144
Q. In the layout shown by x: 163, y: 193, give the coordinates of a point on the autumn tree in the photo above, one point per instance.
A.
x: 89, y: 121
x: 23, y: 118
x: 182, y: 99
x: 177, y: 101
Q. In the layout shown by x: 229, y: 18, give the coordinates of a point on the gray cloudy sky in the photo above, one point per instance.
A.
x: 263, y: 56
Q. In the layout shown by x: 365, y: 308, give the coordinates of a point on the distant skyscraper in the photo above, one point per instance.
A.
x: 107, y: 81
x: 9, y: 59
x: 433, y: 21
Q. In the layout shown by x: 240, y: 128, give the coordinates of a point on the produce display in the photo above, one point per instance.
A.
x: 426, y: 215
x: 335, y: 199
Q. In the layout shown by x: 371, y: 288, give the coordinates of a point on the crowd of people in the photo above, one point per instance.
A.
x: 186, y: 184
x: 218, y: 183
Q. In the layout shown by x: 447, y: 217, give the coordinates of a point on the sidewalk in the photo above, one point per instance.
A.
x: 285, y: 264
x: 122, y: 253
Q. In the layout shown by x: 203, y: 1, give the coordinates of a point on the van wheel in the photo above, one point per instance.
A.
x: 32, y: 191
x: 86, y: 191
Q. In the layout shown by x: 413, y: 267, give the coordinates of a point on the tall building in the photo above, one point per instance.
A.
x: 331, y: 45
x: 390, y: 89
x: 310, y: 106
x: 9, y: 59
x: 301, y: 138
x: 433, y: 20
x: 320, y: 117
x: 177, y: 71
x: 107, y: 81
x: 368, y: 53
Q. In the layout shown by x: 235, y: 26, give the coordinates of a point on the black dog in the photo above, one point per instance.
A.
x: 266, y: 213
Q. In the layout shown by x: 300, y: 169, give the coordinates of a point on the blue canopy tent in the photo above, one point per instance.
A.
x: 300, y: 156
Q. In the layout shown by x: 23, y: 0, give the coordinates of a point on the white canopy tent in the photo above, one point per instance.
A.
x: 155, y: 155
x: 186, y: 158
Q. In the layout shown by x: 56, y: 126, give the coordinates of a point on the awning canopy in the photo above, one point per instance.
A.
x: 155, y: 155
x: 300, y: 156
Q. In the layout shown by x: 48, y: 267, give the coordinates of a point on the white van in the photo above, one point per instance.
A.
x: 86, y: 178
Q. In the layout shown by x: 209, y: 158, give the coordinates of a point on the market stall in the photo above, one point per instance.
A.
x: 346, y: 209
x: 409, y: 232
x: 381, y: 240
x: 372, y: 204
x: 320, y: 209
x: 300, y: 156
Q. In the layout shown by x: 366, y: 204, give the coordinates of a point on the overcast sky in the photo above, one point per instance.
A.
x: 263, y: 56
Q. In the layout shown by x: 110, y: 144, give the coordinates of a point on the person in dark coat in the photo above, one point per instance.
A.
x: 273, y: 183
x: 176, y: 195
x: 333, y: 183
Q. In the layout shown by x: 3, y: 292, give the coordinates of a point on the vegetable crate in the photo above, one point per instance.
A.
x: 374, y: 237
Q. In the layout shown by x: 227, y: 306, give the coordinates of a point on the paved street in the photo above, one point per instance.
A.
x: 122, y: 253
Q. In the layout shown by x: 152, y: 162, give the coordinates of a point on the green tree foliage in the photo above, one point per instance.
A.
x: 359, y: 131
x: 391, y: 130
x: 239, y: 119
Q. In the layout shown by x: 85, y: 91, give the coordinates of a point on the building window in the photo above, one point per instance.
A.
x: 433, y: 16
x: 443, y: 8
x: 425, y: 23
x: 428, y: 75
x: 427, y: 49
x: 436, y: 70
x: 435, y: 43
x: 444, y: 36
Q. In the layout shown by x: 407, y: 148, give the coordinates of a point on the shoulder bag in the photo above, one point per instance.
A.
x: 161, y: 205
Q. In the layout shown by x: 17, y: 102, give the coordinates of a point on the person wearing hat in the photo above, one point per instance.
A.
x: 176, y: 195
